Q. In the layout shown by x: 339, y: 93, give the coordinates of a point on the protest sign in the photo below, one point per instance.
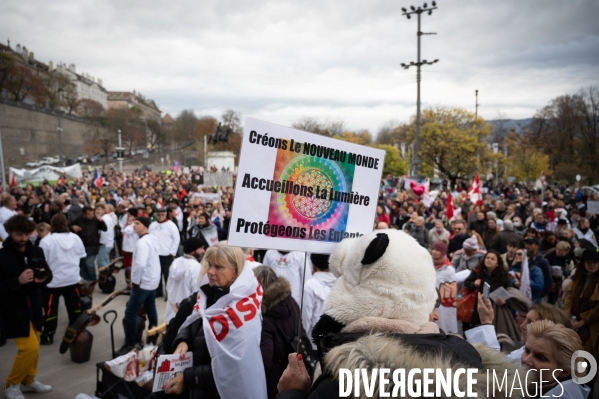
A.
x: 593, y: 207
x: 206, y: 197
x: 168, y: 367
x: 300, y: 191
x: 220, y: 179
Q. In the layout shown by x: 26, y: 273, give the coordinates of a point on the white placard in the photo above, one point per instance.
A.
x: 220, y: 179
x: 593, y: 207
x: 302, y: 192
x: 168, y: 367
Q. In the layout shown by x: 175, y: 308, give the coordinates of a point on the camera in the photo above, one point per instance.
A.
x: 36, y: 265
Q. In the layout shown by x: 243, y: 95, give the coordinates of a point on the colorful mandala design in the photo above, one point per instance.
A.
x: 312, y: 207
x: 312, y: 211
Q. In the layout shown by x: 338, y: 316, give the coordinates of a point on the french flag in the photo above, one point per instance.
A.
x: 98, y: 179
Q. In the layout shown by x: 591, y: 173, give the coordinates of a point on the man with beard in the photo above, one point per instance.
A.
x: 23, y: 274
x: 460, y: 235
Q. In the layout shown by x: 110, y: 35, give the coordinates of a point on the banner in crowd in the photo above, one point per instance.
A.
x: 301, y: 191
x: 206, y: 197
x: 46, y: 172
x: 220, y: 179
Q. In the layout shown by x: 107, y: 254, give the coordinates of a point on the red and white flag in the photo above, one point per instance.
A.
x: 449, y: 208
x: 13, y: 181
x: 474, y: 193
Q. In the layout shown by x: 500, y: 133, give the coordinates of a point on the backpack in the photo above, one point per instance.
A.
x: 305, y: 347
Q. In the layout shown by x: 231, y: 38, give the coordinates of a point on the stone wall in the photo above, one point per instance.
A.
x: 30, y: 133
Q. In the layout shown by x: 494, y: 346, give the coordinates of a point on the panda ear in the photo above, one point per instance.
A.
x: 376, y: 249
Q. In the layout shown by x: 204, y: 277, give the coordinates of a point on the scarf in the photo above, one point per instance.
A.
x: 443, y: 262
x: 232, y: 329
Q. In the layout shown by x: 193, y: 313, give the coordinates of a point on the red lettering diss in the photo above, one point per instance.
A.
x: 247, y: 308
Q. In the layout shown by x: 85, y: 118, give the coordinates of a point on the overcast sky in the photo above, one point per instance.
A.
x: 282, y: 60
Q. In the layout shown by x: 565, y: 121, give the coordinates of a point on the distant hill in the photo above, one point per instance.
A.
x: 508, y: 124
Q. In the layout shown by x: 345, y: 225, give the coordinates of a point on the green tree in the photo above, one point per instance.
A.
x: 525, y: 162
x: 394, y: 164
x: 362, y: 137
x: 451, y: 140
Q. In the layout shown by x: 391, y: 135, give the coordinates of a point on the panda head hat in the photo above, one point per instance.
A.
x: 384, y: 274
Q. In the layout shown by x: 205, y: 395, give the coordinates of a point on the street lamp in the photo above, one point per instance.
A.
x: 59, y: 128
x: 418, y: 11
x: 120, y: 152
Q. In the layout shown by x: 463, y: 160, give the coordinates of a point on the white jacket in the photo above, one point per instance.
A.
x: 178, y: 213
x: 168, y: 237
x: 290, y: 266
x: 130, y: 238
x: 315, y: 292
x: 107, y: 237
x: 5, y: 214
x: 145, y: 267
x: 63, y: 252
x: 183, y: 280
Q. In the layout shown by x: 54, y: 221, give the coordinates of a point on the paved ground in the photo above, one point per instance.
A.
x: 66, y: 377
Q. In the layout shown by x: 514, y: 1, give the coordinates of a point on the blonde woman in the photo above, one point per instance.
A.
x: 549, y: 347
x: 223, y: 331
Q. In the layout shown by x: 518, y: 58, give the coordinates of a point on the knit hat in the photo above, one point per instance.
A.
x: 145, y: 221
x: 192, y: 244
x: 440, y: 246
x: 471, y: 243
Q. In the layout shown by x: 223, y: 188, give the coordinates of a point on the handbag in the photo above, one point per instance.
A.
x: 305, y: 347
x: 465, y: 305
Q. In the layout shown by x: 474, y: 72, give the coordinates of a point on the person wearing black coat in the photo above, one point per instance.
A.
x: 490, y: 270
x: 23, y: 275
x: 201, y: 372
x: 280, y: 312
x: 88, y: 227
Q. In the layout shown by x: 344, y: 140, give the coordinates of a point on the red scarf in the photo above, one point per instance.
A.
x: 444, y: 262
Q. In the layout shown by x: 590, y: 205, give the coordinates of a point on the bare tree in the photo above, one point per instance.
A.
x: 183, y: 131
x: 327, y: 128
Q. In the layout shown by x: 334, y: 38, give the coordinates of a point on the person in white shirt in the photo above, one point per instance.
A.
x: 168, y: 237
x: 184, y: 273
x: 9, y: 204
x: 315, y: 292
x: 145, y: 275
x: 63, y: 251
x: 106, y: 237
x: 129, y: 240
x: 249, y: 258
x: 177, y: 213
x: 291, y: 266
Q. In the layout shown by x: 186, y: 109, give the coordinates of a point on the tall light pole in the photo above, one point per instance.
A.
x: 476, y: 104
x: 418, y: 64
x: 120, y: 152
x: 59, y: 129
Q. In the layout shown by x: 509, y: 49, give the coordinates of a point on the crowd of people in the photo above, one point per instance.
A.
x: 172, y: 237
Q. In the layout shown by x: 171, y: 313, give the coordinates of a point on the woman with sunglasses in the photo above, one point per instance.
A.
x: 537, y: 279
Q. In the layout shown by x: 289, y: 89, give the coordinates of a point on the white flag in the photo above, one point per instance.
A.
x: 525, y: 277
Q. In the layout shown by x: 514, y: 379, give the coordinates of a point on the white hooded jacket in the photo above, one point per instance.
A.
x: 315, y: 292
x: 63, y: 252
x: 145, y: 266
x: 183, y: 280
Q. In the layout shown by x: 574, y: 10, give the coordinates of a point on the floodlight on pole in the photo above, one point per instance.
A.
x: 417, y: 160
